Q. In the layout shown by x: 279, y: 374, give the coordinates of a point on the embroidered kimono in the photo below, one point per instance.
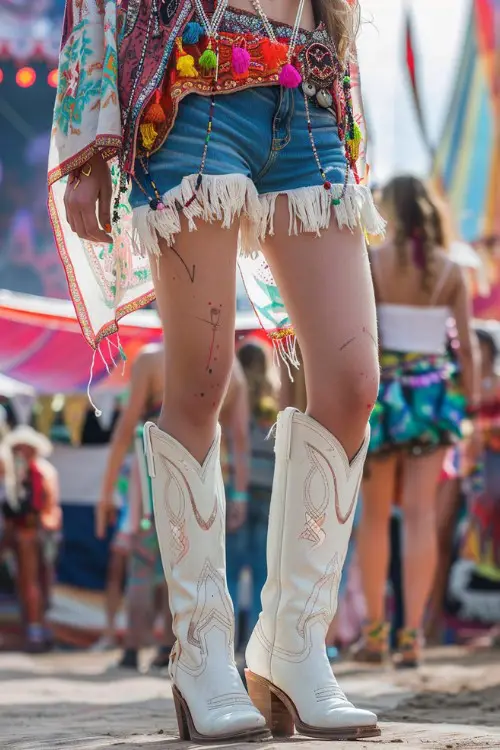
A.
x: 114, y: 56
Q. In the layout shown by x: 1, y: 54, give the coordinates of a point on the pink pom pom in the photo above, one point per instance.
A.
x: 160, y: 206
x: 240, y: 60
x: 290, y: 77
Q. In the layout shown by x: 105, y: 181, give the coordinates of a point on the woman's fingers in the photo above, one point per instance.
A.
x: 104, y: 207
x: 78, y: 225
x: 93, y: 231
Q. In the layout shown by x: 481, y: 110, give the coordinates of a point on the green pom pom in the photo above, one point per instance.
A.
x: 336, y: 201
x: 208, y: 61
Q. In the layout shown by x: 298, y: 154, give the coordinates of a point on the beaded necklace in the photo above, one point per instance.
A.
x: 209, y: 60
x: 212, y: 25
x: 289, y: 75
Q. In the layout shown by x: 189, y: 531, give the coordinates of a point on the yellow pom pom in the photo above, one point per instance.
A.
x: 186, y: 67
x: 148, y: 135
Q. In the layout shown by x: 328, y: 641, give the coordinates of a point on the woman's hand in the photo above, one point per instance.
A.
x: 105, y: 515
x: 87, y: 189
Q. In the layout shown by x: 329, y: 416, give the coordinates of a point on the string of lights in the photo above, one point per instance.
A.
x: 26, y: 76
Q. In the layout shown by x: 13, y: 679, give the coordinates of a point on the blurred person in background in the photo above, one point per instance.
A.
x: 247, y: 546
x: 419, y: 410
x: 8, y: 495
x: 475, y: 580
x: 145, y: 574
x: 33, y: 522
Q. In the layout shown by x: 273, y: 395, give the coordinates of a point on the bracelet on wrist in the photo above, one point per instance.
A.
x: 239, y: 497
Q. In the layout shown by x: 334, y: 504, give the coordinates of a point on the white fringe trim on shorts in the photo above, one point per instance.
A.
x: 224, y: 198
x: 219, y: 199
x: 310, y: 210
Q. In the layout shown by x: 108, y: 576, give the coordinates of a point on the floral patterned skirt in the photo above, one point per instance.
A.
x: 419, y: 406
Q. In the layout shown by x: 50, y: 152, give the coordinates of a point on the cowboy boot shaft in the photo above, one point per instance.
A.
x: 189, y: 507
x: 312, y: 513
x: 190, y: 518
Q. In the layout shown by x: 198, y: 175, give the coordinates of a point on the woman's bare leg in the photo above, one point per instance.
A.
x: 114, y: 589
x: 379, y: 488
x: 327, y: 288
x: 196, y: 292
x: 326, y: 285
x: 195, y: 285
x: 29, y: 583
x: 420, y: 553
x: 447, y: 507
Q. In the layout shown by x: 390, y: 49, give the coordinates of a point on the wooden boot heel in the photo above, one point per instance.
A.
x: 265, y: 699
x: 180, y: 712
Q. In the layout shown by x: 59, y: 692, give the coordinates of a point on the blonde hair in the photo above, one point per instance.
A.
x: 341, y: 18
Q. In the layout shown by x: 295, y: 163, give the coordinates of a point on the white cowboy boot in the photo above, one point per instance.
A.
x: 314, y: 497
x: 210, y: 700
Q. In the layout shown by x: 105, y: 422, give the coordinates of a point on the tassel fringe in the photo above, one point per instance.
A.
x: 223, y: 198
x: 285, y: 350
x: 310, y: 211
x: 219, y: 199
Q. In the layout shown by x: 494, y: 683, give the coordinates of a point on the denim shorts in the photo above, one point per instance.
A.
x: 259, y: 133
x: 260, y: 147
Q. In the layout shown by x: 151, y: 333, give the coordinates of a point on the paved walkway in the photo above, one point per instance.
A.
x: 79, y: 702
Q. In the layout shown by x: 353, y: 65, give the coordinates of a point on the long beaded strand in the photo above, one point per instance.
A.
x: 156, y: 203
x: 208, y: 135
x: 326, y: 184
x: 212, y: 25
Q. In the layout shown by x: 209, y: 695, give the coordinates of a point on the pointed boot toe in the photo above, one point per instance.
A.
x: 350, y: 716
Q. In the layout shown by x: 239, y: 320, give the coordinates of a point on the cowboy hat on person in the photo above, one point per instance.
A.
x: 26, y: 435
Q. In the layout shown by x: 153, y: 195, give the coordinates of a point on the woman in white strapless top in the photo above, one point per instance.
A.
x: 419, y: 409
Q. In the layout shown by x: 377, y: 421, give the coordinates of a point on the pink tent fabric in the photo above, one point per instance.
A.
x: 42, y: 344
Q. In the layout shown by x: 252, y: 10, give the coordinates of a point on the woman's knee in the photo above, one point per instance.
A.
x: 421, y: 515
x: 349, y: 392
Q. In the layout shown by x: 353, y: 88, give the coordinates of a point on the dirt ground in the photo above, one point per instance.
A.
x: 81, y: 702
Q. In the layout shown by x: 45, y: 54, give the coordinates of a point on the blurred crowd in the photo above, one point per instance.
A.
x: 426, y: 543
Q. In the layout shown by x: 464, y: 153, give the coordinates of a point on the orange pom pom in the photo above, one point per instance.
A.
x: 154, y: 112
x: 274, y: 53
